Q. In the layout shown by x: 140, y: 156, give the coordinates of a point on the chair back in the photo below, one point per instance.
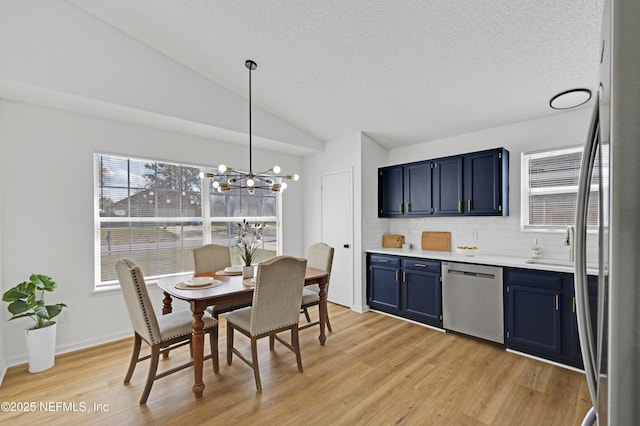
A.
x: 320, y: 255
x: 136, y: 296
x: 211, y: 258
x: 276, y: 297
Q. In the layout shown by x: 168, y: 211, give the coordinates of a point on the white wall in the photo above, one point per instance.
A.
x: 498, y: 235
x: 51, y: 44
x: 46, y: 173
x: 63, y: 59
x: 3, y: 363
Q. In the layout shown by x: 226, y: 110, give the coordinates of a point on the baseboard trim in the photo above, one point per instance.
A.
x: 557, y: 364
x: 442, y: 330
x: 71, y: 347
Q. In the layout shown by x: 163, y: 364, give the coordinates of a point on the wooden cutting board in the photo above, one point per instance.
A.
x: 392, y: 240
x: 438, y: 241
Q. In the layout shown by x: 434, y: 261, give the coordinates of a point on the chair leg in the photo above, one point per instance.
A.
x: 153, y: 368
x: 254, y: 362
x: 295, y: 342
x: 272, y: 341
x: 213, y: 341
x: 137, y: 342
x: 229, y: 343
x: 329, y: 324
x: 306, y: 314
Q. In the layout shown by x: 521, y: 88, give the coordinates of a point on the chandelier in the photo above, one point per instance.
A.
x: 227, y: 178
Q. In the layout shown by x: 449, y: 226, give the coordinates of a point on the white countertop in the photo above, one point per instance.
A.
x: 483, y: 259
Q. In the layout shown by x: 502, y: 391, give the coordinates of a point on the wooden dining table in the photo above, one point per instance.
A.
x: 231, y: 290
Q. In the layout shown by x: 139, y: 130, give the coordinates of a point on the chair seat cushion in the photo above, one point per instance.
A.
x: 179, y: 323
x: 239, y: 318
x: 309, y: 297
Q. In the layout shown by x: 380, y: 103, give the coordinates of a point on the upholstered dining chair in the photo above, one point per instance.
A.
x: 162, y: 333
x: 214, y: 258
x: 319, y: 255
x: 275, y: 308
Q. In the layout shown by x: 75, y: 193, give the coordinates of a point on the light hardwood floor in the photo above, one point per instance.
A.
x: 374, y: 370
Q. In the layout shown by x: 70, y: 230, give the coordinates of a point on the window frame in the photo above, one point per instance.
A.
x: 526, y: 191
x: 205, y: 218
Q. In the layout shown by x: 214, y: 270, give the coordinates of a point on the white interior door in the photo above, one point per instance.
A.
x: 337, y: 231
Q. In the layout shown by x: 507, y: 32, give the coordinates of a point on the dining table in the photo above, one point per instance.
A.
x: 228, y: 289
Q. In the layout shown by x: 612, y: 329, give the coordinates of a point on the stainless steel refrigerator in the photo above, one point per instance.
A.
x: 611, y: 353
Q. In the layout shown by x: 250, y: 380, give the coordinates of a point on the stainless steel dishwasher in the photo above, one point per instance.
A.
x: 472, y: 300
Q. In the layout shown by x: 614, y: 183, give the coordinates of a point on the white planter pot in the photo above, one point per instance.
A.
x: 247, y: 271
x: 41, y: 347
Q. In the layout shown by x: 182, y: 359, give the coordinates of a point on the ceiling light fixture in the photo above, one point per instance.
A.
x: 570, y: 99
x: 227, y: 178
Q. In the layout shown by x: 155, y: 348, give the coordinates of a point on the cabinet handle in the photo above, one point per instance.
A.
x: 383, y: 260
x: 396, y: 276
x: 406, y: 207
x: 404, y: 276
x: 557, y: 302
x: 459, y: 206
x: 400, y: 208
x: 420, y: 265
x: 573, y: 303
x: 468, y: 205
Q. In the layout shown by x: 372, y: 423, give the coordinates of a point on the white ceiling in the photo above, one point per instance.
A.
x: 402, y: 71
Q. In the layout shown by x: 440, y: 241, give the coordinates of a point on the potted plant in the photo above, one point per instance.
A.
x: 249, y: 240
x: 27, y: 300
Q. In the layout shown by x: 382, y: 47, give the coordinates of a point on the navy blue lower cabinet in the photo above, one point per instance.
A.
x: 407, y: 287
x: 541, y: 314
x: 534, y: 320
x: 422, y: 291
x: 575, y: 354
x: 384, y: 283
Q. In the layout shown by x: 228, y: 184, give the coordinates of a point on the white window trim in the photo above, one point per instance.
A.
x: 105, y: 287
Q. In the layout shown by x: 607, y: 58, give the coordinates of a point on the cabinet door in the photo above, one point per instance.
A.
x: 575, y: 354
x: 448, y: 186
x: 421, y: 298
x: 483, y: 183
x: 384, y: 289
x: 534, y: 320
x: 390, y: 187
x: 417, y: 189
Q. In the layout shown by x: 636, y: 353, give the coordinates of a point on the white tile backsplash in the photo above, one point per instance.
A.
x: 492, y: 235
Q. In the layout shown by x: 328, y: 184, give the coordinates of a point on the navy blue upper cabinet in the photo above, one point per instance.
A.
x: 473, y: 184
x: 448, y: 186
x: 418, y: 189
x: 405, y: 190
x: 486, y: 185
x: 390, y: 191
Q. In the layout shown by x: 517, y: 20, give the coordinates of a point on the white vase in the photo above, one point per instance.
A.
x: 41, y: 347
x: 247, y: 271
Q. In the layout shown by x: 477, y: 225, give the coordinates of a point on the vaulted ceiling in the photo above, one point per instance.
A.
x: 402, y: 71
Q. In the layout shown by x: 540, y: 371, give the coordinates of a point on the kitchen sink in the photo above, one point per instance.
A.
x: 552, y: 262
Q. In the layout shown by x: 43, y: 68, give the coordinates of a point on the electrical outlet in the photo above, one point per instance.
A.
x: 474, y: 235
x: 65, y: 315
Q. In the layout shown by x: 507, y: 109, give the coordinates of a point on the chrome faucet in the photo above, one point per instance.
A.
x: 568, y: 240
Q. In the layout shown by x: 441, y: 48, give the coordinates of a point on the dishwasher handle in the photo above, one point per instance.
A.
x: 471, y: 274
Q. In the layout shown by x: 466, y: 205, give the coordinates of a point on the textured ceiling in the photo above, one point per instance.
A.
x: 403, y: 71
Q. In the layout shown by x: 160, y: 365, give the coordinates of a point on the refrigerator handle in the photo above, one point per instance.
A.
x: 587, y: 344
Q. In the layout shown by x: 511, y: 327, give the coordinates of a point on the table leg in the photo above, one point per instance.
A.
x: 197, y: 341
x: 322, y: 307
x: 166, y: 304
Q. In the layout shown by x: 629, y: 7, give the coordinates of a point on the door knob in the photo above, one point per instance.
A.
x: 346, y: 246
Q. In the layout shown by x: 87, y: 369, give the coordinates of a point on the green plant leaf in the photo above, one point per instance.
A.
x: 18, y: 307
x: 43, y: 282
x: 49, y: 311
x: 21, y: 291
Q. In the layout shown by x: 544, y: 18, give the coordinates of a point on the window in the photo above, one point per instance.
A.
x: 550, y: 188
x: 155, y: 213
